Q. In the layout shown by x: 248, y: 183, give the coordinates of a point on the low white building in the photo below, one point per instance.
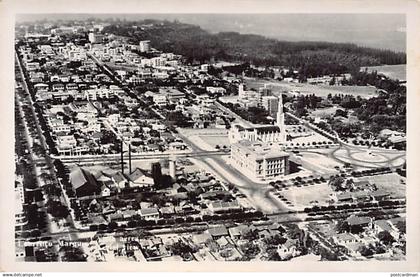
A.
x: 139, y: 178
x: 149, y: 213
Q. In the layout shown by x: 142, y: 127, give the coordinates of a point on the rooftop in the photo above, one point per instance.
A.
x: 218, y: 231
x: 355, y: 220
x: 258, y: 150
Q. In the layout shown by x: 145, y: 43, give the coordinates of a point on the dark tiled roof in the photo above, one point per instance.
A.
x: 355, y: 220
x: 79, y: 177
x: 268, y: 129
x: 137, y: 173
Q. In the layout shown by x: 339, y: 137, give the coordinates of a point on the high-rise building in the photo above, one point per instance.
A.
x: 265, y: 133
x: 265, y: 91
x: 270, y: 103
x: 241, y: 91
x: 144, y: 46
x: 172, y: 167
x: 280, y: 118
x: 95, y: 38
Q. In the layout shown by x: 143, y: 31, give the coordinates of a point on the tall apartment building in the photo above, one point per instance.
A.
x: 144, y: 46
x: 266, y: 133
x: 270, y: 103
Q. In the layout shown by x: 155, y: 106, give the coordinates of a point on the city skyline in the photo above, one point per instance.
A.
x: 157, y: 141
x: 382, y: 31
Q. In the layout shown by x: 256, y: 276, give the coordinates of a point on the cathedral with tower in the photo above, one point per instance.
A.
x: 265, y: 133
x: 257, y: 152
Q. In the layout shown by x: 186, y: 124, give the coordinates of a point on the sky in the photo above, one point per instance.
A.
x: 384, y: 31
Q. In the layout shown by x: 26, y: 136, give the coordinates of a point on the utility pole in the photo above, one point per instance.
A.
x: 122, y: 157
x: 129, y: 158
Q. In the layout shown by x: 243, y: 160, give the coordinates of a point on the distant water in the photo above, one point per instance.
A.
x: 397, y: 71
x: 384, y: 31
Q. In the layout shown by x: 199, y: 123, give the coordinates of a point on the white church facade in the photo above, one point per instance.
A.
x: 257, y: 152
x: 266, y: 133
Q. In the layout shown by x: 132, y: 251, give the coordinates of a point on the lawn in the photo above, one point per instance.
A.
x: 216, y: 140
x: 302, y: 197
x: 397, y: 71
x: 318, y: 90
x: 320, y: 160
x: 389, y: 182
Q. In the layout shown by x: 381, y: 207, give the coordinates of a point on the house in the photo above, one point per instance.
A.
x: 57, y: 87
x: 385, y: 225
x: 128, y: 213
x: 276, y: 227
x: 362, y: 196
x: 379, y: 195
x: 184, y: 208
x: 363, y: 185
x: 149, y: 213
x: 214, y: 194
x: 356, y: 221
x: 105, y: 190
x: 288, y: 249
x: 19, y: 250
x: 139, y: 178
x: 119, y: 180
x: 202, y: 238
x: 177, y: 188
x: 266, y: 233
x: 160, y: 99
x: 83, y: 182
x: 345, y: 239
x: 225, y: 242
x: 344, y: 197
x: 167, y: 211
x: 354, y: 248
x: 41, y: 87
x: 217, y: 232
x: 222, y: 206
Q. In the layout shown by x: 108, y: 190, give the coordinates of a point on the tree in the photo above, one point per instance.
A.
x: 250, y: 235
x: 159, y: 199
x: 181, y: 249
x: 226, y: 253
x: 342, y: 227
x: 250, y: 249
x: 38, y: 149
x: 52, y: 190
x: 336, y: 182
x: 57, y: 209
x: 386, y: 238
x: 401, y: 226
x: 365, y: 251
x: 275, y: 240
x: 328, y: 255
x: 340, y: 112
x: 73, y: 254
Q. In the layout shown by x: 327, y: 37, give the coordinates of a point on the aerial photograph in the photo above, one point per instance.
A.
x: 210, y: 137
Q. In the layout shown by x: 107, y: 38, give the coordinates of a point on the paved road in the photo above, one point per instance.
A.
x: 351, y: 148
x: 257, y: 194
x: 135, y: 156
x: 44, y: 145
